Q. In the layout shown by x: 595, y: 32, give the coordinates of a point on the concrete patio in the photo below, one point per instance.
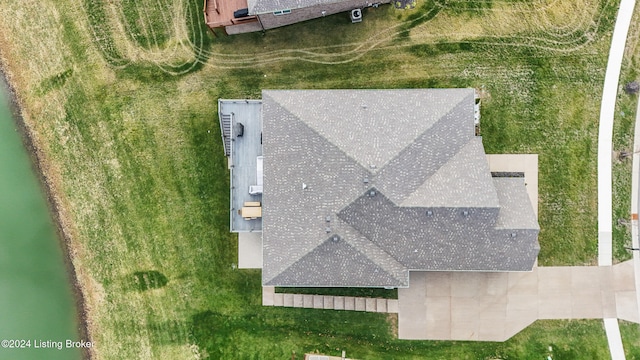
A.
x: 250, y: 250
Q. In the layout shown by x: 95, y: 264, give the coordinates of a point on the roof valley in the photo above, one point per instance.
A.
x: 427, y: 154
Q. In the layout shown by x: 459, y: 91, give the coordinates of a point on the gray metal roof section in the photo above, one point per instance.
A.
x: 407, y: 212
x: 266, y: 6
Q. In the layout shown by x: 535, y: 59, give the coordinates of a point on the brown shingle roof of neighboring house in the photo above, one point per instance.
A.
x: 267, y: 6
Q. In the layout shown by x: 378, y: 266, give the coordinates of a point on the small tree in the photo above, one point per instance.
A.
x: 632, y: 88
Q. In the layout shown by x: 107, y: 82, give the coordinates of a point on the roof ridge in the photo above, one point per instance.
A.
x: 358, y: 244
x: 371, y: 126
x: 472, y: 147
x: 302, y: 259
x: 282, y: 266
x: 395, y: 269
x: 367, y: 173
x: 290, y: 112
x: 265, y: 93
x: 444, y: 120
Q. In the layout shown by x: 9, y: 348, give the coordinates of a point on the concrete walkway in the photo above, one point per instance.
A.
x: 496, y: 306
x: 612, y: 329
x: 271, y: 298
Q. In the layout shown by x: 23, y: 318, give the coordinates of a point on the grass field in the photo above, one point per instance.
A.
x: 630, y: 333
x: 120, y: 97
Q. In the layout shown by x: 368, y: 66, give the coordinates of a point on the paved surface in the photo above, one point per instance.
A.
x: 615, y: 340
x: 496, y: 306
x: 250, y: 250
x: 270, y: 298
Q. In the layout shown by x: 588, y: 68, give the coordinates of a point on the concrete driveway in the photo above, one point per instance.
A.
x: 496, y: 306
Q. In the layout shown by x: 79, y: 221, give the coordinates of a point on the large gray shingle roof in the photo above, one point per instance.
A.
x: 434, y: 205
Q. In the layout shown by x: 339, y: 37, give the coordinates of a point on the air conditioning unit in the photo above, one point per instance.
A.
x: 356, y: 15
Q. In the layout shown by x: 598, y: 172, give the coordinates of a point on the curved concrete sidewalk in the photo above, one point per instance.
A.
x: 605, y: 151
x: 605, y: 132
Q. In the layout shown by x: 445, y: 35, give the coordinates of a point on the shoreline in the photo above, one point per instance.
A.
x: 52, y: 205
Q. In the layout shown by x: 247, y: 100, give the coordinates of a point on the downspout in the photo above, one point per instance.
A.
x: 260, y: 21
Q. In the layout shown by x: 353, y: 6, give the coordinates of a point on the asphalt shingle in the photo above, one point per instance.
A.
x: 397, y: 176
x: 265, y: 6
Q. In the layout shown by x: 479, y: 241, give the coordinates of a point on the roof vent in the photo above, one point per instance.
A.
x: 372, y: 166
x: 304, y: 186
x: 327, y: 230
x: 328, y: 219
x: 372, y: 193
x: 335, y: 238
x: 465, y: 213
x: 366, y: 180
x: 429, y: 213
x: 364, y: 106
x: 513, y: 234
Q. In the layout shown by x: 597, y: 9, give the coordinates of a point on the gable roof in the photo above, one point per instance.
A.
x: 397, y: 175
x: 266, y: 6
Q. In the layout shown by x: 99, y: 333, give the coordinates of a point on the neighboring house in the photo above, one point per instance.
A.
x: 363, y: 186
x: 239, y: 16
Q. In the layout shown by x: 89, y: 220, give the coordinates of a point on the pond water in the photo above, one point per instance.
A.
x: 37, y: 309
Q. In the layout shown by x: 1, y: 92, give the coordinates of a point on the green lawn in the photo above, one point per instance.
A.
x: 623, y: 142
x: 121, y: 98
x: 630, y: 333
